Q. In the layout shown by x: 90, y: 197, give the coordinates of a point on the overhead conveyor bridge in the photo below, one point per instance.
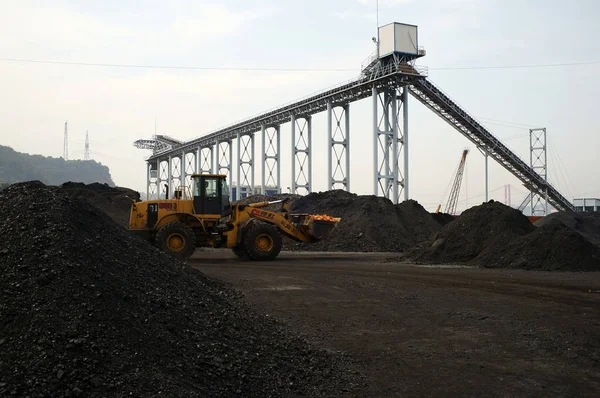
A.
x: 432, y: 97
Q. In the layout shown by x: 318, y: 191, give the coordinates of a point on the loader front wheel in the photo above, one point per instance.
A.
x: 262, y: 242
x: 241, y: 252
x: 177, y: 240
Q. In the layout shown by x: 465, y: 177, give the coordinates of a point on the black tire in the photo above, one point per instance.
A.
x: 262, y: 242
x: 177, y: 240
x: 241, y: 252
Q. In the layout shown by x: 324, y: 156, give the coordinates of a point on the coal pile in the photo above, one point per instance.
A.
x: 369, y: 223
x: 114, y: 201
x: 585, y: 223
x: 463, y: 239
x: 88, y: 310
x: 551, y: 247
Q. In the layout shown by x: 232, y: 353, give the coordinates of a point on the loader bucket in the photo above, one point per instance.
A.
x: 317, y: 229
x: 322, y: 229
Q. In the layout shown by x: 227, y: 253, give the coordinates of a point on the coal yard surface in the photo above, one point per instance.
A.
x: 396, y: 302
x: 433, y: 330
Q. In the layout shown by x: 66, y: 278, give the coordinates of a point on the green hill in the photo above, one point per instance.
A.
x: 16, y: 166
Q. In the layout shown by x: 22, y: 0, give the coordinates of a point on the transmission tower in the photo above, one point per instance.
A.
x: 453, y: 200
x: 66, y: 145
x: 86, y: 154
x: 539, y: 163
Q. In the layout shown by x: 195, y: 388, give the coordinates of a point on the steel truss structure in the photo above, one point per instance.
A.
x: 338, y: 147
x: 390, y: 143
x: 539, y: 163
x: 301, y: 150
x: 388, y: 83
x: 224, y: 157
x: 271, y: 165
x: 432, y: 97
x: 389, y: 76
x: 245, y: 164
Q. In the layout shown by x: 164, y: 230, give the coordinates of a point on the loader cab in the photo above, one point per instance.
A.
x: 211, y: 194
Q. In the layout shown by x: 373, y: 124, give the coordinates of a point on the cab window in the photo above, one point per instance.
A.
x: 211, y: 188
x: 224, y: 188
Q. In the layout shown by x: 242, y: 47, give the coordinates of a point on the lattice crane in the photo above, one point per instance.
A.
x: 453, y: 199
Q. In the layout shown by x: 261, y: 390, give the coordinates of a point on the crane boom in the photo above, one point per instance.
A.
x: 453, y: 199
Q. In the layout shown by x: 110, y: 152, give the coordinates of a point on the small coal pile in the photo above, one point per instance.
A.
x: 477, y: 228
x: 114, y: 201
x: 586, y: 223
x: 369, y: 223
x: 89, y: 310
x: 551, y: 247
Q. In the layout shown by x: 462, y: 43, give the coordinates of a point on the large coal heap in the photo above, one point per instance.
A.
x: 585, y: 223
x: 369, y: 223
x: 88, y: 310
x: 465, y: 238
x: 494, y: 235
x: 551, y: 247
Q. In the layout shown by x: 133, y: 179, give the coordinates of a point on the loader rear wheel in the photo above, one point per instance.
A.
x: 177, y: 240
x: 262, y: 242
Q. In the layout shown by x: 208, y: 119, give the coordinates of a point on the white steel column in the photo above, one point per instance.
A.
x: 263, y: 158
x: 239, y: 167
x: 487, y: 187
x: 375, y: 95
x: 347, y: 121
x: 169, y: 179
x: 183, y: 165
x: 230, y: 169
x: 405, y: 139
x: 329, y: 145
x: 278, y: 159
x: 148, y: 180
x: 293, y: 133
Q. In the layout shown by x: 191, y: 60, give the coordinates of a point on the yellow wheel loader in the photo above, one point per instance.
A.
x: 204, y: 217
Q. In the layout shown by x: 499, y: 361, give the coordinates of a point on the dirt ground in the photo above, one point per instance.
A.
x: 432, y: 331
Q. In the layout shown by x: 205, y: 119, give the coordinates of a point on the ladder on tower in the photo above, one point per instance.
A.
x: 432, y: 97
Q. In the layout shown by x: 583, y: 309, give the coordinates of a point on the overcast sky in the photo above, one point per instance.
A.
x: 119, y: 105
